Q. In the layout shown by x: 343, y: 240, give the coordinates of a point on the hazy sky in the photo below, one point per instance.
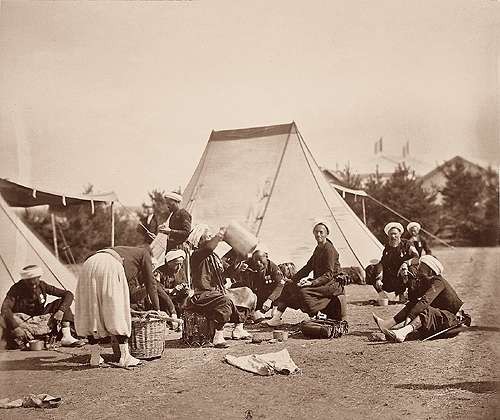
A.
x: 124, y: 95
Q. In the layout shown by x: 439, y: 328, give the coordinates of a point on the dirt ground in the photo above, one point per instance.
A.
x: 350, y: 378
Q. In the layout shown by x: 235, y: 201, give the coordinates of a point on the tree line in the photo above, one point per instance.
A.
x: 468, y: 214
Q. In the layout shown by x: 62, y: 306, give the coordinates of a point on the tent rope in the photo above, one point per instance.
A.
x: 7, y: 268
x: 301, y: 140
x: 357, y: 219
x: 380, y: 203
x: 280, y: 163
x: 404, y: 218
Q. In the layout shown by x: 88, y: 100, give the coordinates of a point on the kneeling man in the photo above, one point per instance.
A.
x: 433, y: 305
x: 25, y: 313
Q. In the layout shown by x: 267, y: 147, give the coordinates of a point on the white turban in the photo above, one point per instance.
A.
x: 174, y: 196
x: 31, y: 271
x: 322, y: 222
x: 433, y: 263
x: 195, y: 235
x: 413, y: 224
x: 393, y: 225
x: 174, y: 254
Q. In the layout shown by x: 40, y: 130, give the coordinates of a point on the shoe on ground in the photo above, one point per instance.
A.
x: 129, y: 361
x: 73, y: 343
x: 273, y: 322
x: 258, y: 316
x: 241, y: 334
x: 394, y: 335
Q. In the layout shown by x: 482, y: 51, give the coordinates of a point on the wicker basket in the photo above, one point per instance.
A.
x: 147, y: 339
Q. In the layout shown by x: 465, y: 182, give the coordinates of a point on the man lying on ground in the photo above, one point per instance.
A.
x: 433, y: 305
x: 26, y: 315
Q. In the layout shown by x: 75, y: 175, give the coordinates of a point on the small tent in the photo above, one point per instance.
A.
x: 266, y: 179
x: 20, y: 247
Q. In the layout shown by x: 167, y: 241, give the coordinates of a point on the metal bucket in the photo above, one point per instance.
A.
x: 240, y: 239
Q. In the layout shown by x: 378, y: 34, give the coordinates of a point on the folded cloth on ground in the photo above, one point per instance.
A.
x: 32, y: 400
x: 265, y: 364
x: 243, y: 297
x: 36, y: 325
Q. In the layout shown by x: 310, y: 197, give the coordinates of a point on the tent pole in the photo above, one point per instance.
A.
x: 364, y: 209
x: 112, y: 224
x: 54, y: 234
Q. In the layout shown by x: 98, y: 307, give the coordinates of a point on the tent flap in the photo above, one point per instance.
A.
x: 17, y: 195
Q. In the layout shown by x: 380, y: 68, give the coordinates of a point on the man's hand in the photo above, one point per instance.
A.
x: 242, y: 266
x: 403, y: 270
x: 379, y: 285
x: 267, y: 305
x: 304, y: 283
x: 222, y: 232
x: 228, y: 283
x: 163, y: 228
x: 407, y: 321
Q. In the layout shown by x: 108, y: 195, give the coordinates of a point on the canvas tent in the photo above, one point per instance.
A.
x: 20, y: 247
x: 266, y: 179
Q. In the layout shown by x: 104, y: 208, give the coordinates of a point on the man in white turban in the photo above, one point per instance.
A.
x: 417, y: 240
x: 26, y: 314
x: 173, y: 290
x: 433, y: 305
x: 392, y: 270
x: 179, y: 223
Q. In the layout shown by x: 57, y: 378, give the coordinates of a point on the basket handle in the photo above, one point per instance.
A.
x: 155, y: 315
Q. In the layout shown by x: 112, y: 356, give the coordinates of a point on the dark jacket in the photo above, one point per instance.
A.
x: 207, y: 270
x: 180, y: 225
x: 393, y: 257
x: 266, y: 284
x: 139, y: 270
x: 21, y: 298
x: 324, y: 264
x: 428, y: 291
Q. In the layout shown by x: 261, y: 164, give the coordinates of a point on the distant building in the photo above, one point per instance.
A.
x: 432, y: 177
x: 435, y: 180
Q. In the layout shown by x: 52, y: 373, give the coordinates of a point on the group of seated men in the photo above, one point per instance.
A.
x: 432, y: 305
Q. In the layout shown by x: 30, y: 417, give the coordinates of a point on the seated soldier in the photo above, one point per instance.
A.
x: 264, y: 278
x: 26, y: 315
x: 392, y: 270
x: 211, y: 298
x: 433, y: 305
x: 324, y: 291
x: 173, y: 292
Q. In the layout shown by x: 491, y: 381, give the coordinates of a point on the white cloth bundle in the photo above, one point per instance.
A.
x: 158, y: 247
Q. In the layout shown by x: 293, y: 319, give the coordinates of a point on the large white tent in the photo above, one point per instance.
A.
x: 266, y: 179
